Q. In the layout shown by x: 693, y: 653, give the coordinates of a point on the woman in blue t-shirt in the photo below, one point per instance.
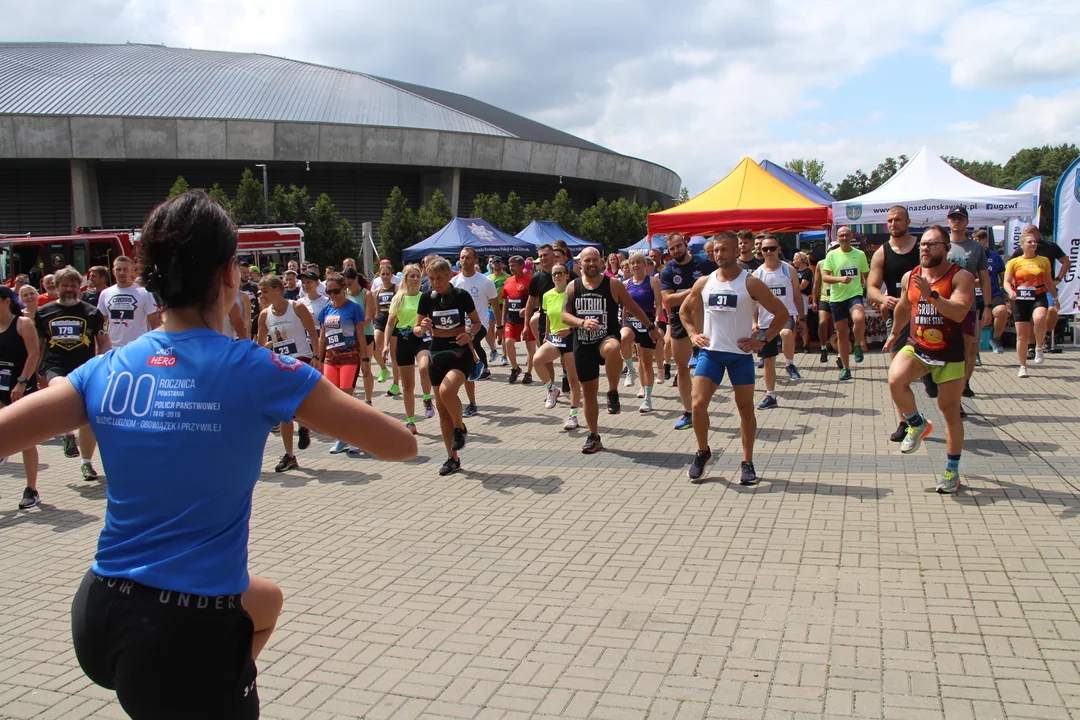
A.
x: 168, y: 615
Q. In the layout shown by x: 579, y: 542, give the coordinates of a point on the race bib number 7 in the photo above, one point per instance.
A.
x: 724, y: 302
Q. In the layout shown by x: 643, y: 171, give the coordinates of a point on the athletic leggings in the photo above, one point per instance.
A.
x: 342, y: 376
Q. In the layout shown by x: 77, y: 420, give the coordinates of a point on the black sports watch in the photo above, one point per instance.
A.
x: 21, y: 380
x: 934, y: 295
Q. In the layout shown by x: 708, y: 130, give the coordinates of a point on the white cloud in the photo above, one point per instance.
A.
x: 693, y: 86
x: 1010, y: 43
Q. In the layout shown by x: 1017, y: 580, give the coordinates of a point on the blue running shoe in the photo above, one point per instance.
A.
x: 685, y: 422
x: 768, y: 402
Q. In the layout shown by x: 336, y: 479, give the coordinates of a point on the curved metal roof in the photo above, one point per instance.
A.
x: 161, y: 82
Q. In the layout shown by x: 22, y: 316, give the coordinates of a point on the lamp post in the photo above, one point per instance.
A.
x: 266, y: 193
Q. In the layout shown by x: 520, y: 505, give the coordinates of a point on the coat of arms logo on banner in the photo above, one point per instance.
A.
x: 1076, y: 185
x: 853, y: 211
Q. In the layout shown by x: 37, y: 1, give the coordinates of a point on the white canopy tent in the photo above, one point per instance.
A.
x: 928, y: 186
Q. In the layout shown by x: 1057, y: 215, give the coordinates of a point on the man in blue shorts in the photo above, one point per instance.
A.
x: 718, y: 315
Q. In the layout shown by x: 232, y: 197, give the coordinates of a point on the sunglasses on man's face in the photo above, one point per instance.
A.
x: 769, y: 248
x: 333, y: 291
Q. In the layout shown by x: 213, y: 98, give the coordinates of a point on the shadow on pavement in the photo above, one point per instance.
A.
x: 294, y: 479
x: 503, y: 482
x: 790, y: 487
x: 669, y: 461
x: 1011, y: 492
x: 46, y: 514
x: 93, y: 490
x: 839, y: 412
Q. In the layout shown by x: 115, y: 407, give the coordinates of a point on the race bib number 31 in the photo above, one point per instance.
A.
x: 725, y: 302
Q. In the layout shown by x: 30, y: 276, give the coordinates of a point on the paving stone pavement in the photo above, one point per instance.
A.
x: 540, y: 582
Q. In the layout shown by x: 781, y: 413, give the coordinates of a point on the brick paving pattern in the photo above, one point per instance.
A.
x: 540, y: 582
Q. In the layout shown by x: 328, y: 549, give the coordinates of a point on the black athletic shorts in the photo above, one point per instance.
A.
x: 447, y: 355
x: 1024, y: 309
x: 380, y: 320
x: 51, y: 373
x: 587, y: 358
x: 640, y: 338
x: 678, y: 332
x: 167, y: 655
x: 408, y: 347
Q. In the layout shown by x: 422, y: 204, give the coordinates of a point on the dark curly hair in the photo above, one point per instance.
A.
x: 185, y: 243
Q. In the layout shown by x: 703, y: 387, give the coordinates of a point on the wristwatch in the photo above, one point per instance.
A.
x: 762, y: 335
x: 934, y: 295
x: 21, y: 380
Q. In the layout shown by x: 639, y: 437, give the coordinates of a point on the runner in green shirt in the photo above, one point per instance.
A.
x: 498, y: 276
x: 844, y: 270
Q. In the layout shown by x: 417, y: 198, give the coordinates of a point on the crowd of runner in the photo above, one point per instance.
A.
x: 168, y: 604
x: 642, y: 320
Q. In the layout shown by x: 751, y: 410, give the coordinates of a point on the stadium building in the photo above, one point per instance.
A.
x: 95, y: 135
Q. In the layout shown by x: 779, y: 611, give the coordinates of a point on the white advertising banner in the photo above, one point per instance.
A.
x: 1016, y: 225
x: 1067, y: 234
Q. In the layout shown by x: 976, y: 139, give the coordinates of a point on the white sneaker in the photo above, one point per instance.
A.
x: 1039, y: 356
x: 646, y: 405
x: 552, y: 397
x: 631, y: 378
x: 1022, y: 372
x: 571, y: 423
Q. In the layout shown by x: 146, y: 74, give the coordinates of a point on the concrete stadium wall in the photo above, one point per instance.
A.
x: 117, y: 138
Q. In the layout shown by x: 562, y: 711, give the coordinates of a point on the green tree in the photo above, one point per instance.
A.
x: 327, y: 236
x: 513, y: 214
x: 811, y: 169
x: 491, y: 208
x: 684, y: 195
x: 859, y: 183
x: 1050, y: 161
x: 249, y: 205
x: 433, y: 217
x: 179, y: 187
x: 615, y: 224
x: 561, y: 211
x: 218, y: 195
x: 398, y: 229
x: 292, y: 206
x: 987, y: 172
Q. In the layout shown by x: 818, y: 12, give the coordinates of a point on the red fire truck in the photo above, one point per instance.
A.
x: 36, y: 256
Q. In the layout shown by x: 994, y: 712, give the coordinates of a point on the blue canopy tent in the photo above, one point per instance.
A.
x: 798, y: 183
x: 545, y: 232
x: 469, y: 232
x: 810, y: 237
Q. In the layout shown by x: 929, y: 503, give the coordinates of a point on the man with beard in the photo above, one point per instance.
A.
x: 721, y: 306
x: 891, y: 262
x: 591, y: 307
x: 747, y: 258
x: 937, y: 299
x: 540, y: 283
x: 72, y: 332
x: 676, y: 283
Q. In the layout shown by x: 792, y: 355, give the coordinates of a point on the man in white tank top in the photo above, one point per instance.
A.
x: 719, y: 318
x: 783, y: 283
x: 287, y: 328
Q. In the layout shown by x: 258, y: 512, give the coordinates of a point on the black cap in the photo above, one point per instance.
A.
x: 6, y: 293
x: 310, y: 275
x: 958, y: 210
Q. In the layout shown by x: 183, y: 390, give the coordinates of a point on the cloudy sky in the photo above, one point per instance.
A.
x: 694, y: 86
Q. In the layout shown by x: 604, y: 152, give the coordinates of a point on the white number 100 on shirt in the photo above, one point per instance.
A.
x: 131, y: 388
